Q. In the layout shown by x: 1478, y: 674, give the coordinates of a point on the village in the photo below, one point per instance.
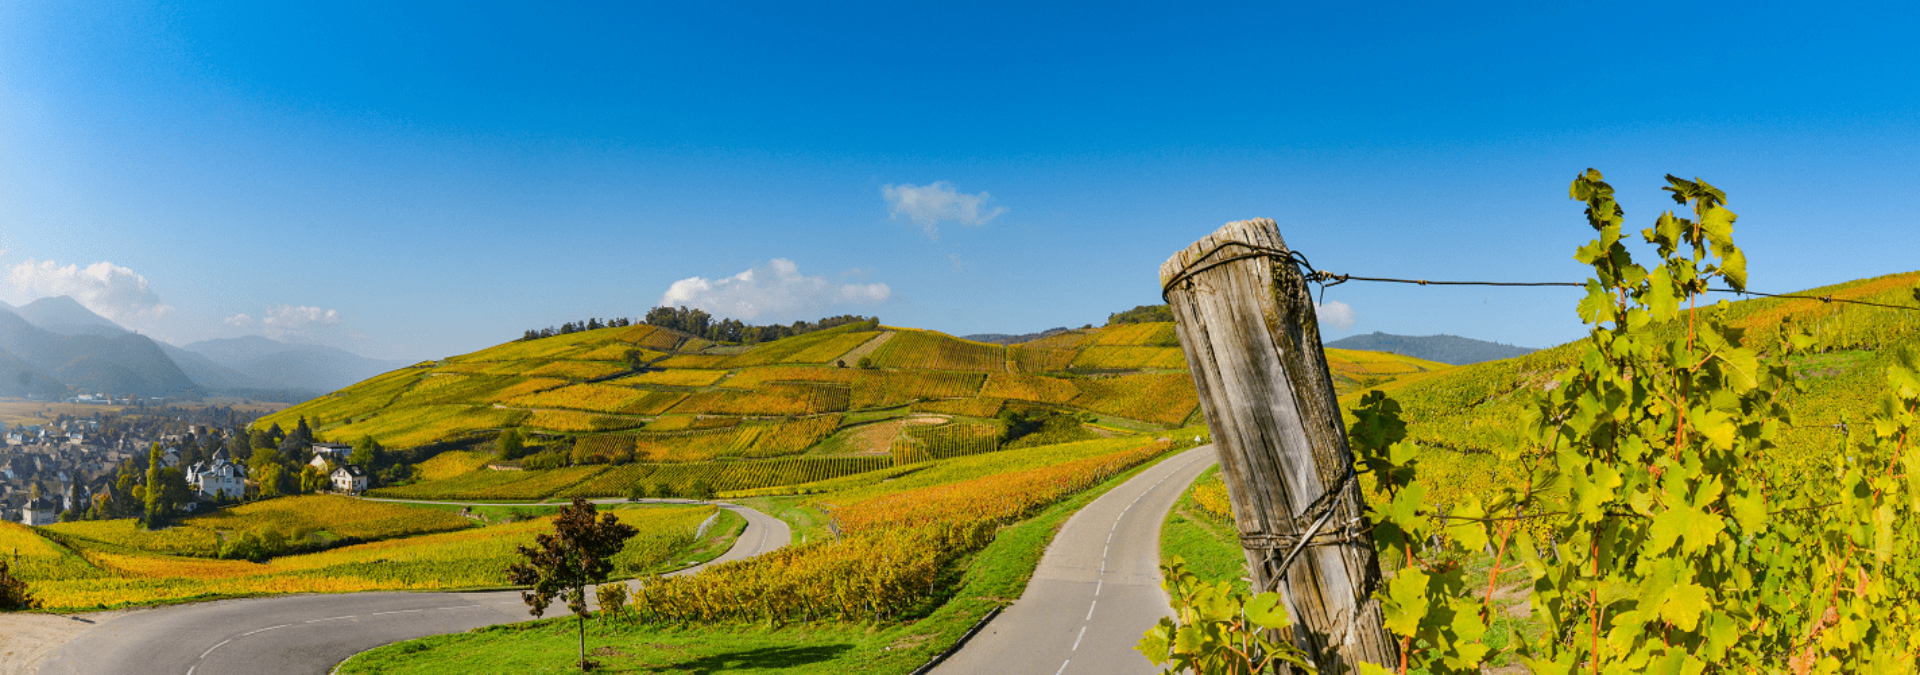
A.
x: 74, y: 467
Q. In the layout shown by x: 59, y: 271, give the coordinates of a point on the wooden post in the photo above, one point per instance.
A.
x: 1247, y: 325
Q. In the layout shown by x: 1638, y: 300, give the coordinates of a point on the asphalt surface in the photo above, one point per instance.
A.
x: 1097, y: 589
x: 313, y: 633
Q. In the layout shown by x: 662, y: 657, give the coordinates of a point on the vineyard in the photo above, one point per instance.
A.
x: 923, y: 350
x: 1036, y: 388
x: 770, y: 399
x: 94, y: 575
x: 326, y: 518
x: 1162, y: 398
x: 569, y: 421
x: 589, y: 397
x: 673, y: 378
x: 695, y: 401
x: 1131, y: 358
x: 970, y: 407
x: 890, y: 559
x: 450, y: 464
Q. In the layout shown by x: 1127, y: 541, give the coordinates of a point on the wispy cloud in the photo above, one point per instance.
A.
x: 110, y: 290
x: 929, y: 205
x: 774, y: 291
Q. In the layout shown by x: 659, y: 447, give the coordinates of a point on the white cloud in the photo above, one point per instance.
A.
x: 109, y: 290
x: 300, y: 323
x: 1337, y: 314
x: 774, y: 291
x: 929, y: 205
x: 238, y: 320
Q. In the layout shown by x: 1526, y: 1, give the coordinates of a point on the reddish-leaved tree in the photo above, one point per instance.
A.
x: 562, y: 565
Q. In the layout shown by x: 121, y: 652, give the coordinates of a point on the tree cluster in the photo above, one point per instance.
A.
x: 1141, y: 314
x: 701, y: 324
x: 572, y: 327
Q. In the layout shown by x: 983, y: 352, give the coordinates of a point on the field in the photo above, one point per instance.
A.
x: 1164, y: 398
x: 450, y: 464
x: 1036, y: 388
x: 923, y: 350
x: 673, y: 378
x: 1131, y: 358
x: 91, y: 575
x: 323, y: 519
x: 589, y: 397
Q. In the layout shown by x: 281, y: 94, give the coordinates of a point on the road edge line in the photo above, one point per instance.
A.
x: 957, y: 644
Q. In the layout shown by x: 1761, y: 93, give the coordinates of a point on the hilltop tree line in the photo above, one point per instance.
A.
x: 699, y: 323
x: 572, y: 327
x: 1141, y: 314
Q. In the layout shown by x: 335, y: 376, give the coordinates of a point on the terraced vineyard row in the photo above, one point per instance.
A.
x: 102, y: 575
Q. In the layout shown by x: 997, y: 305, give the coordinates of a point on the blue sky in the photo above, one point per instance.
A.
x: 423, y: 180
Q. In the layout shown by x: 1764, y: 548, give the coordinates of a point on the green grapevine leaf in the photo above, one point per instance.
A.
x: 1406, y: 601
x: 1683, y: 605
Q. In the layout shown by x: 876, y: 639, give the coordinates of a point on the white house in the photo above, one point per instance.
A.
x: 40, y: 512
x: 349, y: 478
x: 333, y: 451
x: 170, y: 458
x: 217, y: 477
x: 319, y: 462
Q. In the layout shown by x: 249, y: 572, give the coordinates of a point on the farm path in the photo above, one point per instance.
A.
x: 313, y: 633
x: 1097, y: 589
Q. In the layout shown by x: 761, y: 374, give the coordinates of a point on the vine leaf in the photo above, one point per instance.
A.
x: 1683, y: 606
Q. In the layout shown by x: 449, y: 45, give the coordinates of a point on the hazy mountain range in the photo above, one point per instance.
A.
x: 52, y: 347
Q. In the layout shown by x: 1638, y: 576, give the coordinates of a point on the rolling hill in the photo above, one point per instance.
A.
x: 1462, y: 414
x: 787, y: 411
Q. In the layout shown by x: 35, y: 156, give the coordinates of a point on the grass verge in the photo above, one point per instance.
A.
x: 1209, y: 543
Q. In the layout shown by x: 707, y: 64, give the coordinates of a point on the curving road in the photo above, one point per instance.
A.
x: 1097, y: 589
x: 312, y: 633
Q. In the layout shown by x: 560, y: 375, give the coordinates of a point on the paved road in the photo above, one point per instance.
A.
x: 312, y: 633
x: 1097, y: 589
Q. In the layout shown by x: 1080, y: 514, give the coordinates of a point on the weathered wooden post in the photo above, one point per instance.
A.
x: 1246, y: 322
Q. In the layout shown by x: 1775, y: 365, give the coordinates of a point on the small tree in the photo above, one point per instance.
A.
x: 13, y: 591
x: 561, y: 565
x: 511, y: 444
x: 613, y: 601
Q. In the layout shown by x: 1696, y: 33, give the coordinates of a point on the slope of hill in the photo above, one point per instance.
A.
x: 659, y: 407
x: 1448, y: 349
x: 120, y: 363
x: 1464, y: 413
x: 264, y: 363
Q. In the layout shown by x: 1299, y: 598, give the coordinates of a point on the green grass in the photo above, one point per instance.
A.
x: 1210, y: 544
x: 991, y: 578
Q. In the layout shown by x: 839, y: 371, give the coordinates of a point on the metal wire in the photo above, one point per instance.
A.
x: 1326, y: 279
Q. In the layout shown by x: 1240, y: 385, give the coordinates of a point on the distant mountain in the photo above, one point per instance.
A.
x: 19, y: 380
x: 272, y: 364
x: 1004, y: 339
x: 1448, y: 349
x: 117, y: 363
x: 213, y: 376
x: 66, y: 316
